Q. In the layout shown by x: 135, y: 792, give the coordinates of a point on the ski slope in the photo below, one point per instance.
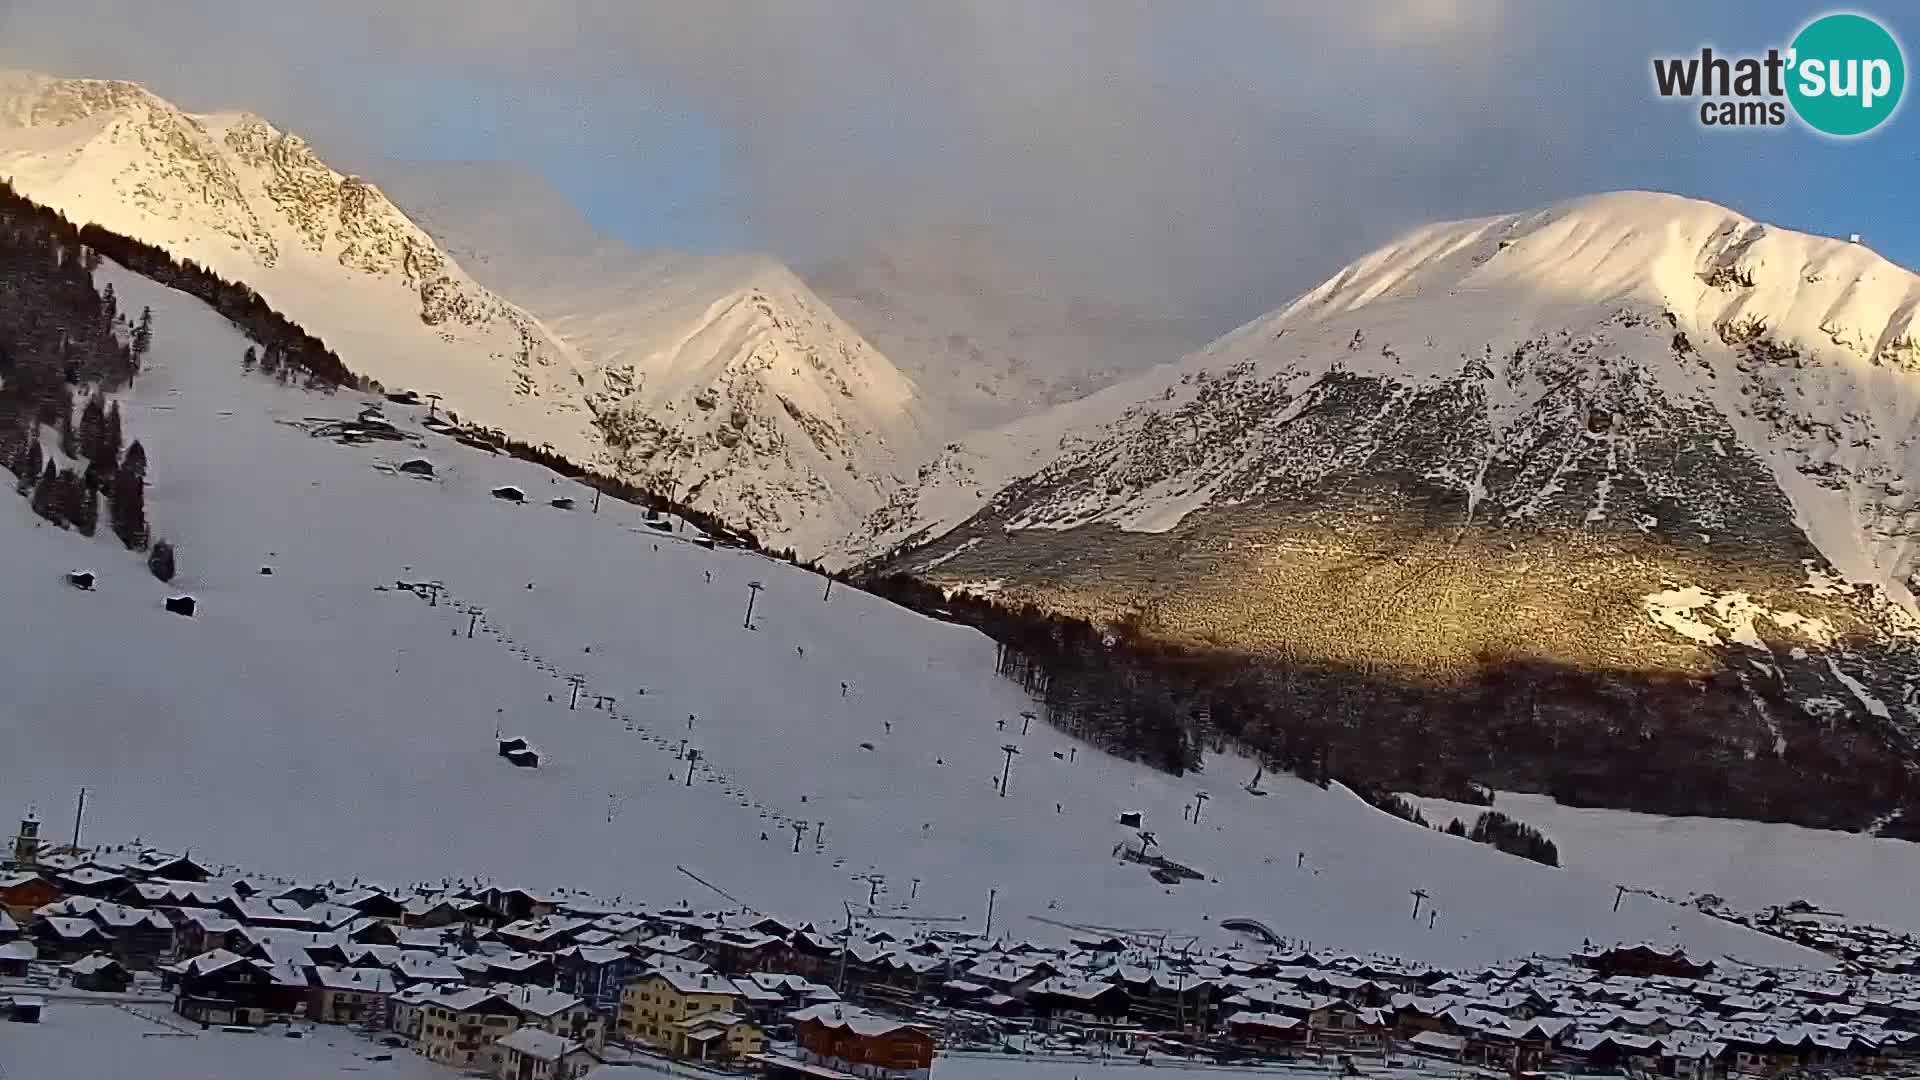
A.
x: 306, y: 723
x: 1751, y: 864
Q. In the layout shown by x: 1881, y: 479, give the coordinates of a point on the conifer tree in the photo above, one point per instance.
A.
x: 46, y: 496
x: 110, y: 439
x: 69, y: 439
x: 31, y: 462
x: 93, y: 429
x: 81, y: 505
x: 143, y: 333
x: 129, y: 499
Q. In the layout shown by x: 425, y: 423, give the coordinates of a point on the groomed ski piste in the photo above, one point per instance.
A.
x: 320, y: 723
x: 1751, y: 865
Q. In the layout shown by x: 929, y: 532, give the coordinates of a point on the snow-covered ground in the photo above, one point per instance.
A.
x: 100, y: 1042
x: 1750, y: 864
x: 305, y: 723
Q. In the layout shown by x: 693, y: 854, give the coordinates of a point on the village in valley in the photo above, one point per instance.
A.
x: 526, y: 984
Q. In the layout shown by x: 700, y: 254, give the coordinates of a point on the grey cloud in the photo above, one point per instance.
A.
x: 1205, y: 159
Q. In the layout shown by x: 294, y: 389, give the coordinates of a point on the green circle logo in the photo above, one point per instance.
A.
x: 1847, y: 75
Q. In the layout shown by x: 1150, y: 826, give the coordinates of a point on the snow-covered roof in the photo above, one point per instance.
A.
x: 669, y: 944
x: 461, y: 999
x: 678, y: 964
x: 88, y: 876
x: 87, y: 965
x: 1439, y: 1041
x: 538, y: 1001
x: 211, y: 961
x: 849, y: 1018
x: 425, y: 967
x: 538, y: 1044
x: 594, y: 954
x: 1275, y: 1021
x: 365, y: 980
x: 721, y: 1018
x: 1081, y: 989
x: 70, y: 928
x: 697, y: 984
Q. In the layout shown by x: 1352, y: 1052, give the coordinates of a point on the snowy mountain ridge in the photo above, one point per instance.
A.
x: 255, y: 204
x: 1629, y: 439
x: 737, y: 390
x: 723, y: 378
x: 1613, y: 297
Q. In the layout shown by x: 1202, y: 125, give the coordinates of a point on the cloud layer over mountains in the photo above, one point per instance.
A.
x: 1199, y: 160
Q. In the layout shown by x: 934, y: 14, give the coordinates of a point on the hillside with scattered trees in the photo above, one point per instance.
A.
x: 1637, y: 740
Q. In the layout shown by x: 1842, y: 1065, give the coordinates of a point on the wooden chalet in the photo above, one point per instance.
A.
x: 24, y: 891
x: 852, y: 1040
x: 225, y: 988
x: 517, y: 905
x: 1267, y: 1032
x: 91, y: 881
x: 168, y: 867
x: 100, y: 973
x: 350, y: 995
x: 741, y: 951
x: 374, y: 904
x: 64, y: 939
x: 1642, y: 961
x: 1061, y: 1000
x: 15, y: 957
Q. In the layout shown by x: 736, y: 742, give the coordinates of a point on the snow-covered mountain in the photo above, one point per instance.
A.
x: 728, y: 382
x: 720, y: 377
x: 257, y: 205
x: 319, y: 721
x: 984, y: 332
x: 1630, y: 432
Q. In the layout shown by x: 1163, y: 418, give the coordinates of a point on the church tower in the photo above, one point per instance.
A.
x: 26, y: 845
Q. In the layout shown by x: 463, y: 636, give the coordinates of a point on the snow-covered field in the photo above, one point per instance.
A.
x: 100, y: 1042
x: 305, y: 723
x: 1750, y: 864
